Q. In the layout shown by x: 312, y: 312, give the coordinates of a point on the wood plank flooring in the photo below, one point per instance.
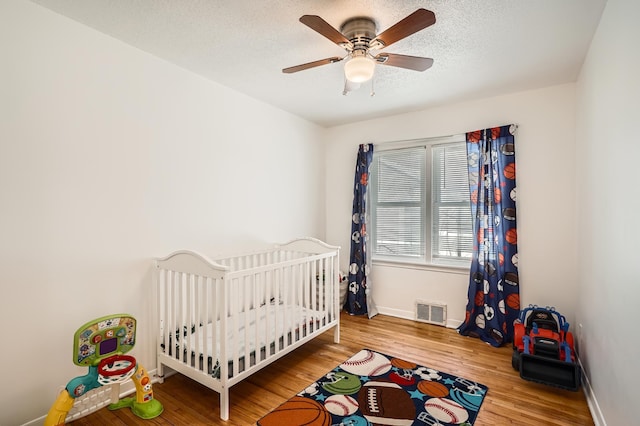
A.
x: 510, y: 400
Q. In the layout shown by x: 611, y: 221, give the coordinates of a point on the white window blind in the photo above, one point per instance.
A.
x: 399, y: 204
x: 452, y: 229
x: 420, y: 208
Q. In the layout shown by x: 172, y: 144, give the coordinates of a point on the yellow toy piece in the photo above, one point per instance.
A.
x: 58, y: 411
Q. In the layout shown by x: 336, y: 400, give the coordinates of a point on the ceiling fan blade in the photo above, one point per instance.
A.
x: 313, y: 64
x: 418, y: 20
x: 415, y: 63
x: 321, y: 26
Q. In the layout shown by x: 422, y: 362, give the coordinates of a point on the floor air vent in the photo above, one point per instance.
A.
x: 432, y: 313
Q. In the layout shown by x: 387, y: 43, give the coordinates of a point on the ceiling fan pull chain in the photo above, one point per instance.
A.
x: 373, y: 92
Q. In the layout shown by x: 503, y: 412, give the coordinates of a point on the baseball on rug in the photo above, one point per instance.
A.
x: 374, y: 388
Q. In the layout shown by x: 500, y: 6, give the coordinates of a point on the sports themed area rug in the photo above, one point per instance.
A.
x: 371, y: 388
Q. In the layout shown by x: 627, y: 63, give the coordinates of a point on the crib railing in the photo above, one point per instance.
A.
x: 215, y: 318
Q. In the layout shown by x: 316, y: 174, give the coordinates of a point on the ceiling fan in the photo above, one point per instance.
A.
x: 358, y: 37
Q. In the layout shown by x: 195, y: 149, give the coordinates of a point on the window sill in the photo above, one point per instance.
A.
x: 449, y: 269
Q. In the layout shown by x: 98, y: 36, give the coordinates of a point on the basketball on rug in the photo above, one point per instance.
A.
x: 371, y: 388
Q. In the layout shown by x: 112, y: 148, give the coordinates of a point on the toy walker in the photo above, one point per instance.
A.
x: 101, y: 345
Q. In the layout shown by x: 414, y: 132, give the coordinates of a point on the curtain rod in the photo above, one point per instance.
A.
x: 413, y: 142
x: 430, y: 140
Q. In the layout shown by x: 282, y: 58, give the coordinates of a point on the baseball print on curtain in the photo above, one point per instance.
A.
x: 358, y: 295
x: 494, y: 295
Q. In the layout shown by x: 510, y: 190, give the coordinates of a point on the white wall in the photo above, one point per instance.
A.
x: 608, y: 268
x: 545, y: 156
x: 109, y: 157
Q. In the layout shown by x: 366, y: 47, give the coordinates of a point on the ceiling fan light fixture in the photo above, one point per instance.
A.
x: 359, y: 69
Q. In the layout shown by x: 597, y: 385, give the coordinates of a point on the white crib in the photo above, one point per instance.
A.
x: 222, y: 319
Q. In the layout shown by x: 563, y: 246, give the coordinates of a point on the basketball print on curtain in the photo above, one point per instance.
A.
x: 494, y: 296
x: 356, y: 303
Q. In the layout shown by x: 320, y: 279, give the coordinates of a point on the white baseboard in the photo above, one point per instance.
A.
x: 410, y: 315
x: 126, y: 388
x: 395, y: 312
x: 592, y: 402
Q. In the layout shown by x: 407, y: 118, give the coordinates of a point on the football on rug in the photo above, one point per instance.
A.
x: 371, y: 388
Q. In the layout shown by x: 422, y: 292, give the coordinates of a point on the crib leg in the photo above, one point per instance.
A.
x: 160, y: 372
x: 336, y: 334
x: 224, y: 404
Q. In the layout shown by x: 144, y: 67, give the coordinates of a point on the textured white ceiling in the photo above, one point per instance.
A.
x: 480, y: 48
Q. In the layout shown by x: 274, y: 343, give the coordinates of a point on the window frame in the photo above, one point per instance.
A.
x: 426, y: 260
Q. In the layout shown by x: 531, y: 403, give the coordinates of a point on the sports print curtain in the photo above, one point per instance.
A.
x: 359, y: 300
x: 494, y: 296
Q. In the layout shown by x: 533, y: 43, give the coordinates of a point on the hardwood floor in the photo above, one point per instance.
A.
x: 510, y: 400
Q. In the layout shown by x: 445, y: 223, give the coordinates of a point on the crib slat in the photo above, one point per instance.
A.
x: 188, y: 317
x: 324, y: 276
x: 201, y: 325
x: 178, y: 315
x: 246, y: 296
x: 331, y: 291
x: 224, y: 324
x: 269, y: 309
x: 279, y: 325
x: 314, y: 285
x: 213, y: 316
x: 163, y: 313
x: 304, y: 306
x: 286, y: 315
x: 298, y: 288
x: 258, y: 303
x: 293, y: 317
x: 235, y: 303
x: 326, y: 294
x: 175, y: 326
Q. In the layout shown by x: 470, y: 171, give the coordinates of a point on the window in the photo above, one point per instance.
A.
x: 420, y: 210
